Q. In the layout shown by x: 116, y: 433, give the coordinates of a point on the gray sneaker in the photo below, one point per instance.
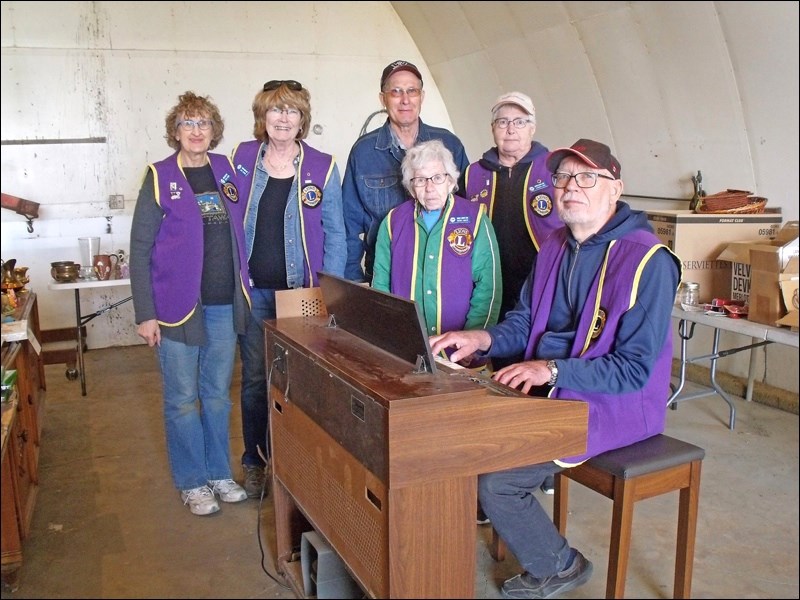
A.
x: 255, y: 480
x: 528, y: 586
x: 227, y: 490
x: 201, y: 500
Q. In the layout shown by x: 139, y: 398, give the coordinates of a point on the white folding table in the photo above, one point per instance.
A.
x: 761, y: 336
x: 81, y: 319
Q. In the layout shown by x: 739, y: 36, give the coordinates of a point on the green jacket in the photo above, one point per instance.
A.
x: 485, y: 289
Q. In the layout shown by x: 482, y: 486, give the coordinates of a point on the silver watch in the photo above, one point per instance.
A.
x: 551, y: 364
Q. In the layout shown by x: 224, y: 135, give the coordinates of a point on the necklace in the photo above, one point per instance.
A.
x: 280, y: 167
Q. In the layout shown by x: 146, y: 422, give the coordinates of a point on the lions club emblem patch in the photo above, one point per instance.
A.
x: 460, y: 240
x: 542, y: 205
x: 311, y: 195
x: 599, y: 323
x: 230, y: 191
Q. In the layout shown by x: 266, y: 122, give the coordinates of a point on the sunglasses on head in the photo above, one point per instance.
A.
x: 274, y: 84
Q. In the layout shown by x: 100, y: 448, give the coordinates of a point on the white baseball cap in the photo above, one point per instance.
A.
x: 518, y: 99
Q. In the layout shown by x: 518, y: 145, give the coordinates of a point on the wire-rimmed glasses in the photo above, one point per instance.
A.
x: 189, y: 124
x: 503, y: 123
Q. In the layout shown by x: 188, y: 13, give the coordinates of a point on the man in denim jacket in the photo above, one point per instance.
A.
x: 372, y: 183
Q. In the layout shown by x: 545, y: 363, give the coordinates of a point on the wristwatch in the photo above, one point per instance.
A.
x: 551, y: 364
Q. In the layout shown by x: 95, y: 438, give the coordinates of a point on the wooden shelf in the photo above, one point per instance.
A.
x: 22, y: 429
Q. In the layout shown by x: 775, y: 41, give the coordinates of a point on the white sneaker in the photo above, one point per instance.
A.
x: 201, y: 500
x: 227, y: 490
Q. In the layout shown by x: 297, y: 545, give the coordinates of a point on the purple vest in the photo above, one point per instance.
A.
x: 460, y: 219
x: 614, y: 420
x: 177, y: 259
x: 541, y: 217
x: 313, y: 172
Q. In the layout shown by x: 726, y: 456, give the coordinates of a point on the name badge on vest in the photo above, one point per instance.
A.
x: 230, y: 191
x: 311, y: 195
x: 542, y: 205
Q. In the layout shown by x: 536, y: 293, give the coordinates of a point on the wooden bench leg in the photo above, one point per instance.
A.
x: 687, y: 530
x: 497, y: 548
x: 560, y: 502
x: 620, y: 544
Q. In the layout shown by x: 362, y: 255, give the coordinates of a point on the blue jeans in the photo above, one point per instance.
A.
x: 255, y: 408
x: 196, y: 383
x: 507, y: 499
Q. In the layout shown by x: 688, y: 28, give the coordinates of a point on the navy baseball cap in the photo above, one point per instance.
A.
x: 399, y: 65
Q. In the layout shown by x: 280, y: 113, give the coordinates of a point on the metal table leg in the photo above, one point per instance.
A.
x: 713, y: 377
x: 751, y: 373
x: 676, y: 390
x: 79, y: 337
x: 686, y: 331
x: 83, y: 320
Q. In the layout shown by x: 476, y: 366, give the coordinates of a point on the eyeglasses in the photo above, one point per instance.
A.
x: 437, y: 179
x: 274, y: 84
x: 398, y: 92
x: 503, y: 123
x: 189, y: 124
x: 584, y: 180
x: 290, y: 112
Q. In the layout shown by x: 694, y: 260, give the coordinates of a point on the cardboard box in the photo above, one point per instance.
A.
x: 767, y: 264
x: 738, y: 254
x: 698, y: 239
x: 789, y: 284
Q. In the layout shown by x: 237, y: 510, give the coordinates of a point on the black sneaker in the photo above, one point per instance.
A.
x: 528, y: 586
x: 482, y: 519
x: 255, y: 481
x: 548, y: 485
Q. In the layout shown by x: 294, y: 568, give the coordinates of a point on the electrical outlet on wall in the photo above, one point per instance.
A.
x: 116, y: 201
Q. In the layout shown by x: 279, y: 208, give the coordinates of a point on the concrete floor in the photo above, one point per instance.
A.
x: 108, y: 524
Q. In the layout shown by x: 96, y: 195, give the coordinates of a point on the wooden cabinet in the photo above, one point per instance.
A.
x: 21, y: 418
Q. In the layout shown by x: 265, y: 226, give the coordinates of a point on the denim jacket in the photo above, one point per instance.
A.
x: 334, y: 246
x: 373, y: 185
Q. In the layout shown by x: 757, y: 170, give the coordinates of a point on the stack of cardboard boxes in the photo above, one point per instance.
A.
x: 761, y: 269
x: 748, y: 258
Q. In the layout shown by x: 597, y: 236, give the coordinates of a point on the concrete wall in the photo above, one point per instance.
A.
x: 673, y: 87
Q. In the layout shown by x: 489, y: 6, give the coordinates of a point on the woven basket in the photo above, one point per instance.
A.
x: 732, y: 202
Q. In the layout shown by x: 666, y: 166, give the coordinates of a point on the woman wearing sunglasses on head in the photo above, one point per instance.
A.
x: 191, y: 291
x: 294, y: 228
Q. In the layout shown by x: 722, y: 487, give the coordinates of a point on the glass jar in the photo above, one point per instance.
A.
x: 689, y: 294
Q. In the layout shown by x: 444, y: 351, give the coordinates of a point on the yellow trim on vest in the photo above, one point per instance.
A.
x: 157, y: 190
x: 179, y: 323
x: 443, y: 218
x: 600, y: 286
x: 525, y: 211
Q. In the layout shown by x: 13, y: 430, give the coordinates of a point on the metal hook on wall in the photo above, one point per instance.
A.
x: 25, y: 208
